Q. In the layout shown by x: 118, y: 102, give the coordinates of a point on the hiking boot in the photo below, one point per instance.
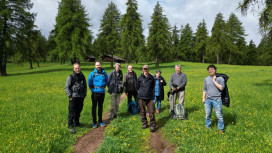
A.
x: 102, y: 124
x: 72, y: 129
x: 152, y: 129
x: 220, y: 131
x: 95, y: 125
x: 157, y: 111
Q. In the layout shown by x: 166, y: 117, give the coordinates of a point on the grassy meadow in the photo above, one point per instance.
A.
x: 34, y: 109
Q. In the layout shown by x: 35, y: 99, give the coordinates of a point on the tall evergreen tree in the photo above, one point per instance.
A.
x: 110, y: 30
x: 72, y: 34
x: 219, y: 39
x: 174, y: 41
x: 159, y: 39
x: 186, y: 43
x: 251, y: 57
x: 13, y: 16
x: 201, y: 41
x: 132, y: 40
x: 265, y: 51
x: 236, y: 37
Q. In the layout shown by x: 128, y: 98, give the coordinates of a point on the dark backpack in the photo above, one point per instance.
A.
x: 78, y: 84
x: 225, y: 93
x: 133, y: 108
x: 180, y: 112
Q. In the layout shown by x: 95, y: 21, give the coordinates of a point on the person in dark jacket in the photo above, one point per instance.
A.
x: 115, y: 89
x: 76, y: 90
x: 97, y: 82
x: 130, y: 80
x: 145, y: 85
x: 159, y: 90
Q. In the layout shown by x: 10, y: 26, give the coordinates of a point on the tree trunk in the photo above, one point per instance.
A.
x: 38, y: 63
x: 30, y: 62
x: 112, y: 59
x: 229, y: 57
x: 218, y: 59
x: 203, y: 58
x: 157, y: 61
x: 127, y: 60
x: 3, y: 54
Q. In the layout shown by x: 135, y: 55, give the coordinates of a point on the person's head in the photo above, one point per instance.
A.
x: 211, y: 69
x: 130, y: 69
x: 145, y: 69
x: 76, y: 68
x: 178, y: 68
x: 158, y: 73
x: 98, y: 65
x: 117, y: 67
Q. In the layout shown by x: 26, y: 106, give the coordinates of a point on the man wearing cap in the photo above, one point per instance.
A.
x: 97, y: 82
x: 115, y: 89
x: 177, y: 84
x: 130, y: 80
x: 145, y: 85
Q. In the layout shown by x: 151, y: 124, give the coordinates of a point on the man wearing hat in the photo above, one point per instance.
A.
x: 115, y: 89
x: 145, y: 85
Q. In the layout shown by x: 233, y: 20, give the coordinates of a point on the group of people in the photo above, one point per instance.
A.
x: 147, y: 90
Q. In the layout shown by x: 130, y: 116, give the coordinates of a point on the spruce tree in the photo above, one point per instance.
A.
x: 186, y: 43
x: 251, y: 57
x: 13, y: 16
x: 132, y: 40
x: 174, y: 43
x: 201, y: 41
x: 159, y: 38
x: 72, y: 34
x: 110, y: 30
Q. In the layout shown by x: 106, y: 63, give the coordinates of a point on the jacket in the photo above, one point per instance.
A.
x: 76, y: 85
x: 145, y: 86
x: 97, y: 81
x: 115, y: 81
x: 161, y: 84
x: 130, y: 80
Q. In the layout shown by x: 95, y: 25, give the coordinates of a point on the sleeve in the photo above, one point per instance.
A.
x: 205, y: 86
x: 68, y: 87
x: 108, y: 78
x: 184, y: 81
x: 163, y: 82
x: 90, y: 80
x: 221, y: 82
x: 85, y: 86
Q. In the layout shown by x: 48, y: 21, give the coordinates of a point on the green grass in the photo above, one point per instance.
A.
x: 34, y: 109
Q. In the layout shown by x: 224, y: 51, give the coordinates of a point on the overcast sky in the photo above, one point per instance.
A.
x: 179, y: 12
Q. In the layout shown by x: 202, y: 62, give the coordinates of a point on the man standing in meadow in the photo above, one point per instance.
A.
x: 177, y: 84
x: 212, y: 89
x: 145, y: 85
x: 76, y: 90
x: 97, y: 82
x: 115, y: 89
x: 130, y: 80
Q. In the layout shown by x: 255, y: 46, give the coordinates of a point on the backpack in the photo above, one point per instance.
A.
x: 133, y: 108
x: 180, y: 112
x: 79, y: 86
x: 225, y: 93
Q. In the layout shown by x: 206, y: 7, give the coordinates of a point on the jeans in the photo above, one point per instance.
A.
x: 158, y: 100
x: 75, y: 108
x: 97, y: 98
x: 217, y: 105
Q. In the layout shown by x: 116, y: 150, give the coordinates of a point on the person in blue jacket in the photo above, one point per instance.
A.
x: 97, y: 82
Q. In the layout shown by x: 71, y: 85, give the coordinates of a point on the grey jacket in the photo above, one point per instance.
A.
x: 115, y: 80
x: 180, y: 80
x: 76, y: 85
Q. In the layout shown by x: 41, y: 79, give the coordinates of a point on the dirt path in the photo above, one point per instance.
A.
x: 160, y: 144
x: 93, y: 139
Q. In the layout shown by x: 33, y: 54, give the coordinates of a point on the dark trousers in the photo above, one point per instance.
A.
x: 75, y: 108
x: 134, y: 94
x: 97, y: 98
x: 151, y: 110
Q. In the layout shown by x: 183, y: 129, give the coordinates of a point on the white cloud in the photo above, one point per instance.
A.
x: 179, y: 12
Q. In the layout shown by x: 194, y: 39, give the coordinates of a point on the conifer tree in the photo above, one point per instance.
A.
x: 110, y: 30
x: 251, y: 57
x: 201, y: 41
x: 72, y: 34
x: 186, y: 43
x: 174, y: 41
x: 132, y: 40
x: 159, y: 39
x: 13, y: 16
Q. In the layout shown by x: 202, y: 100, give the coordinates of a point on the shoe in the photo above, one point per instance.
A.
x: 152, y: 130
x: 157, y: 111
x: 102, y: 124
x: 72, y: 129
x: 220, y: 131
x: 144, y: 126
x: 95, y: 125
x: 115, y: 116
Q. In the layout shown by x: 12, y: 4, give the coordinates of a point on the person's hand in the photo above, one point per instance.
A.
x: 71, y: 98
x: 214, y: 78
x: 161, y: 81
x: 203, y: 100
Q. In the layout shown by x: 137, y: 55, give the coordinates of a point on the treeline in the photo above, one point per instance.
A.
x: 122, y: 35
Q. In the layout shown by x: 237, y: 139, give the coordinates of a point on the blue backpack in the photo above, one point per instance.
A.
x: 133, y: 108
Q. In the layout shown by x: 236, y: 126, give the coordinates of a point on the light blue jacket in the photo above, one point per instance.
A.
x: 97, y: 81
